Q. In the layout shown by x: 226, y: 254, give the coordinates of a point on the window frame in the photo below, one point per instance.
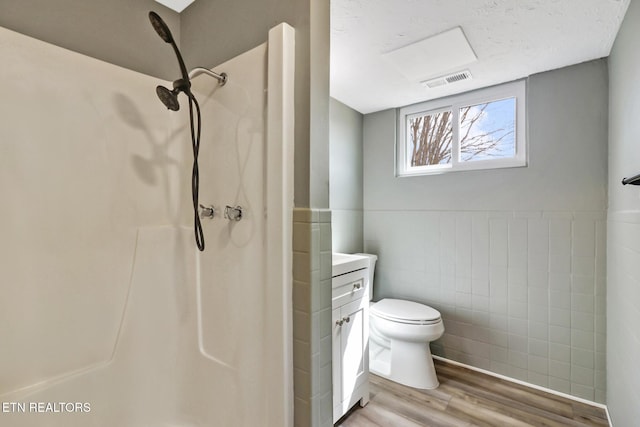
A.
x: 515, y: 90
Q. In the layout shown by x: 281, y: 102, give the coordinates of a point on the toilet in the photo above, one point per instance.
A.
x: 399, y: 335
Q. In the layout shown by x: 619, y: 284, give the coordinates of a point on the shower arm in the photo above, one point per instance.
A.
x: 222, y: 78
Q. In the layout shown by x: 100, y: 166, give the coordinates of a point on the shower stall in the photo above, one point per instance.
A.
x: 110, y: 316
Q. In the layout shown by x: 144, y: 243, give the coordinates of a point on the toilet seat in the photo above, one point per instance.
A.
x: 407, y: 312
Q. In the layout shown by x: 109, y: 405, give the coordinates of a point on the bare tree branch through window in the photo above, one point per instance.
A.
x: 485, y: 131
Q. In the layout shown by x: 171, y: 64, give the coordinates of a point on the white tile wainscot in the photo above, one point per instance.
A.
x: 312, y: 317
x: 522, y: 294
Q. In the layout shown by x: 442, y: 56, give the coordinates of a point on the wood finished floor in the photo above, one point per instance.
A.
x: 468, y: 398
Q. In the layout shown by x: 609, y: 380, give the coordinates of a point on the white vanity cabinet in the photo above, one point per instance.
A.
x: 350, y: 319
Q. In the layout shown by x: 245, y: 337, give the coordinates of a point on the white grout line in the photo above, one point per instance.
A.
x: 526, y: 384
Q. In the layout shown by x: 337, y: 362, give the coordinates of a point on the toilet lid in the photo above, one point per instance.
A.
x: 404, y: 311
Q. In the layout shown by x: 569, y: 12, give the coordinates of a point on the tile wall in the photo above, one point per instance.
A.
x: 313, y: 404
x: 522, y: 293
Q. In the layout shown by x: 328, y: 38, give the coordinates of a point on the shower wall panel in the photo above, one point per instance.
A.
x: 106, y: 300
x: 87, y: 156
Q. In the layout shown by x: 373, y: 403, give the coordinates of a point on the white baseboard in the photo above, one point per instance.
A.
x: 526, y: 384
x: 606, y: 410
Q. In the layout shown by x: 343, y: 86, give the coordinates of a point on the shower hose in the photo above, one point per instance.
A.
x: 195, y: 173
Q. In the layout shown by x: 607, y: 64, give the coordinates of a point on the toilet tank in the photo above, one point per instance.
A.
x: 372, y: 267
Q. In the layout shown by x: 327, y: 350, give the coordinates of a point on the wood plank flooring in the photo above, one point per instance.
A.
x: 468, y: 398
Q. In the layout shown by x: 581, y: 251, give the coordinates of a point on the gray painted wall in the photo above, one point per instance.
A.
x: 115, y: 31
x: 623, y: 246
x: 513, y: 258
x: 215, y: 31
x: 345, y: 198
x: 566, y: 151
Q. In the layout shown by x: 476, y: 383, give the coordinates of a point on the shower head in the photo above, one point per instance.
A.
x: 161, y: 28
x: 168, y: 97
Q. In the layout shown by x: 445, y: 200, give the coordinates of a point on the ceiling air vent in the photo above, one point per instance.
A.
x: 448, y: 79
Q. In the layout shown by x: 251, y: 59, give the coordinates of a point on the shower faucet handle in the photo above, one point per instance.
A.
x: 233, y: 214
x: 207, y: 211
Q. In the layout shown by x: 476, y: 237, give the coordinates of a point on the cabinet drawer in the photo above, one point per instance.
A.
x: 349, y: 287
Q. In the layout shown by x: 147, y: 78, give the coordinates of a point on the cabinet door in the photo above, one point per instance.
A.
x: 354, y: 344
x: 337, y: 363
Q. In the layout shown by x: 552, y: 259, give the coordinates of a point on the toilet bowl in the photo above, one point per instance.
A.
x: 399, y: 335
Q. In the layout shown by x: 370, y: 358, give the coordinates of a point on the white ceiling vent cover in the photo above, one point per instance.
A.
x: 448, y: 79
x: 432, y: 56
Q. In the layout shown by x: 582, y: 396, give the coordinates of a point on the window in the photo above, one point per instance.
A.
x: 484, y: 129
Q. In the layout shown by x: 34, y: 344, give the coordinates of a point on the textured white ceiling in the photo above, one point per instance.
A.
x: 511, y: 38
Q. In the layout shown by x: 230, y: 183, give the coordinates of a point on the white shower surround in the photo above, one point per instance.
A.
x: 102, y: 300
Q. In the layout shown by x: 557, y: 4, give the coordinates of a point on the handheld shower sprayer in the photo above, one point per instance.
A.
x: 161, y: 27
x: 170, y: 99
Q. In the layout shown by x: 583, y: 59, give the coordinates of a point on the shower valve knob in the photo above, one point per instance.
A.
x: 207, y: 211
x: 233, y: 213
